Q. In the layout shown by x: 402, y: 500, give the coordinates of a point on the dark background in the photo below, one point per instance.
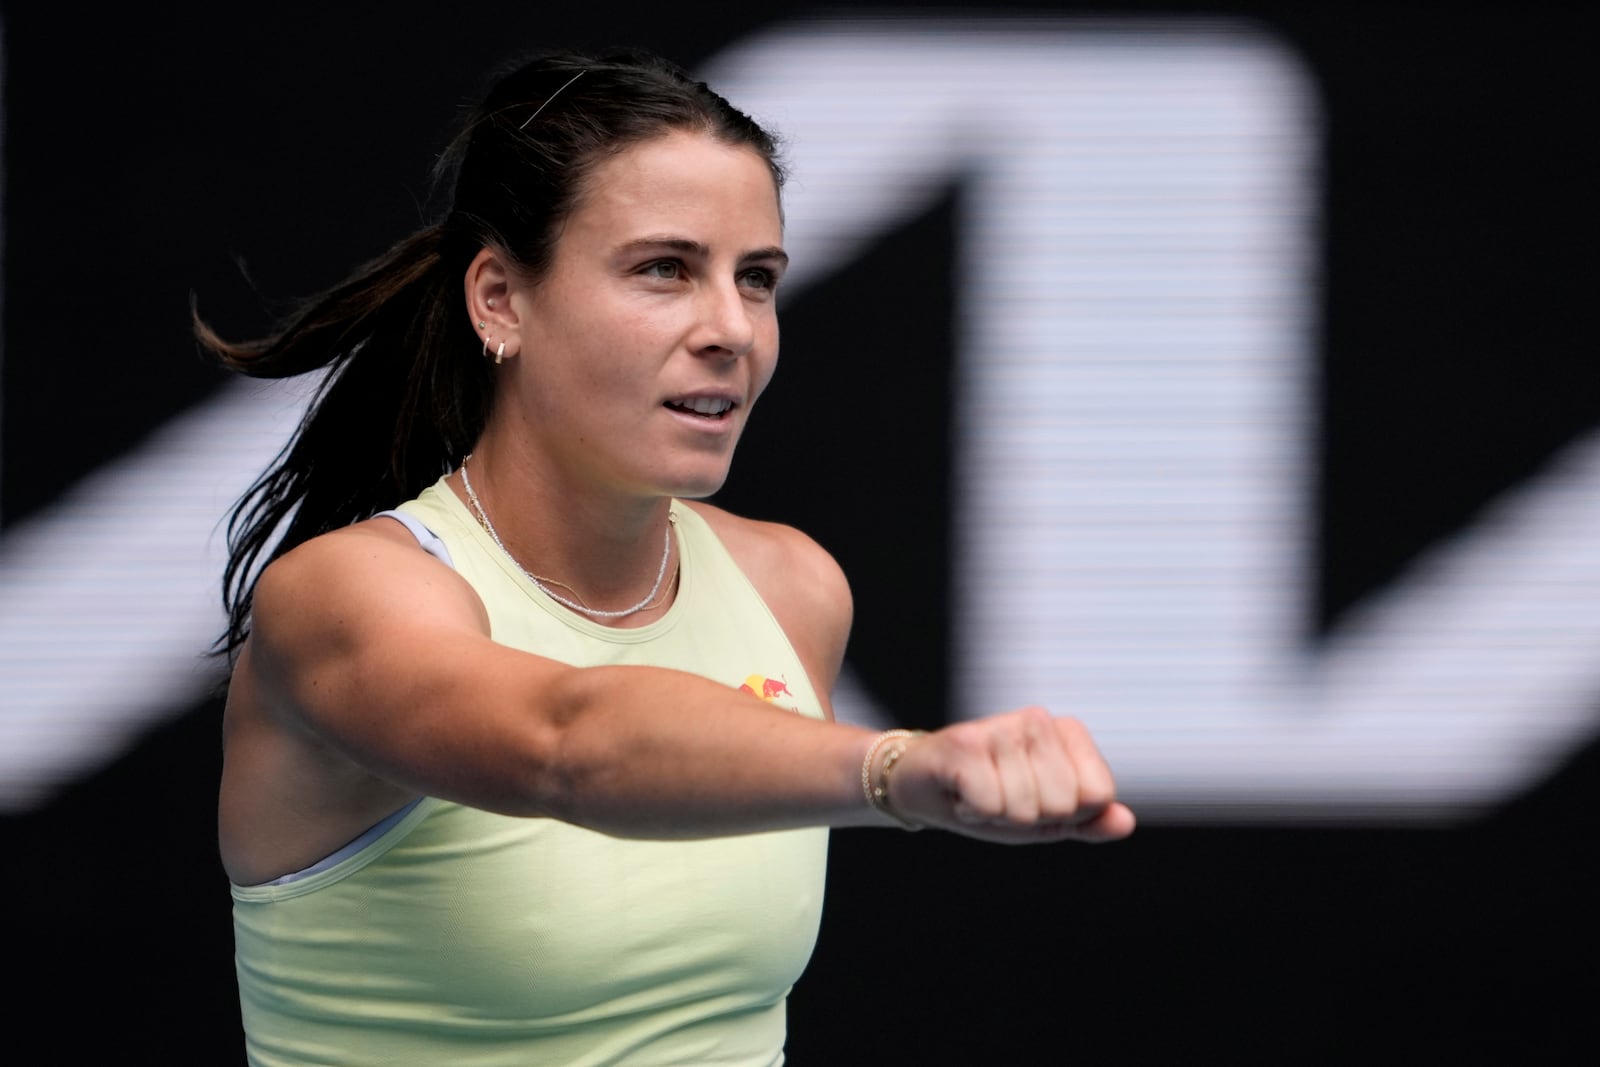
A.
x: 152, y: 150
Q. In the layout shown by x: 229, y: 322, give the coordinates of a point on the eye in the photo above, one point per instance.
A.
x: 665, y: 269
x: 758, y: 278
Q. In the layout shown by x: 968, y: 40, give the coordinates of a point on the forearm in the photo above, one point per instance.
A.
x: 695, y: 759
x: 662, y: 754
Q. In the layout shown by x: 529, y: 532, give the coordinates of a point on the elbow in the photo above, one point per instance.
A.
x: 561, y: 763
x: 587, y: 750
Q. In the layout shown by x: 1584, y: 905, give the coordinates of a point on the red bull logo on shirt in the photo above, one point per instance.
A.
x: 768, y: 689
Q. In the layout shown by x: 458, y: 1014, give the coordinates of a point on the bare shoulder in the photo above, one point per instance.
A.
x: 343, y: 608
x: 801, y: 582
x: 362, y: 574
x: 781, y: 559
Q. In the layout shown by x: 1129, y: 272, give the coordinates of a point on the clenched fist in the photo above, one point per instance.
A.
x: 1019, y: 777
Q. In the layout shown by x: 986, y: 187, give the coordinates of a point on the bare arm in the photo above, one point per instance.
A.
x: 383, y: 654
x: 375, y: 659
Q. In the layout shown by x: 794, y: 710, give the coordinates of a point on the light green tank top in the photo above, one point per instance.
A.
x: 461, y: 938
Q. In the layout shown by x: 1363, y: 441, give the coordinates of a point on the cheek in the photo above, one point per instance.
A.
x: 605, y: 349
x: 631, y: 339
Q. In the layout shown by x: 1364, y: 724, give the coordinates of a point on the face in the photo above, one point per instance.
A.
x: 645, y: 345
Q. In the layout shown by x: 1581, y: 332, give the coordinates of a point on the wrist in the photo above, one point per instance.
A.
x: 877, y: 767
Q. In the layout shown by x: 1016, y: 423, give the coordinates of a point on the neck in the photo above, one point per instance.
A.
x: 615, y: 564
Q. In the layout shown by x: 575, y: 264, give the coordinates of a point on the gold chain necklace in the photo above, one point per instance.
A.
x: 544, y: 584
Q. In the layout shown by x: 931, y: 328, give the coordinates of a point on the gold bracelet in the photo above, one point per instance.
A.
x: 878, y: 795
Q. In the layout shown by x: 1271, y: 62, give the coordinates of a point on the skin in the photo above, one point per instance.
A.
x: 370, y: 677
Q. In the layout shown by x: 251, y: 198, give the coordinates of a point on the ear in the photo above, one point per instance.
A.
x: 488, y: 284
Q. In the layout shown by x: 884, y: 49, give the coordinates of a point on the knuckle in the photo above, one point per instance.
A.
x: 1072, y: 727
x: 1096, y: 795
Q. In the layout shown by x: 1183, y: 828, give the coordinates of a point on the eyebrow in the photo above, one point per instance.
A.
x: 695, y: 248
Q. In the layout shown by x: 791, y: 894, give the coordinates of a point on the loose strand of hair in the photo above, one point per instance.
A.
x: 369, y: 438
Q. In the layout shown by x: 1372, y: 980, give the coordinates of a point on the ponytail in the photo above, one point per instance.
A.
x: 400, y: 403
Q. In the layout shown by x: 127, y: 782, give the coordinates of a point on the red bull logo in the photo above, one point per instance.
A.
x: 768, y: 689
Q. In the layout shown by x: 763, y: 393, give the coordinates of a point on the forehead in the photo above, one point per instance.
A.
x: 682, y: 179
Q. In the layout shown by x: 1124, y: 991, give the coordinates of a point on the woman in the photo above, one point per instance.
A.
x: 528, y: 758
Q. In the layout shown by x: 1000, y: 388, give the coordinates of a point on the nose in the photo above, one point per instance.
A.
x: 724, y: 325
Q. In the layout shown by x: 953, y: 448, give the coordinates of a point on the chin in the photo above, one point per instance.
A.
x: 695, y: 485
x: 696, y: 490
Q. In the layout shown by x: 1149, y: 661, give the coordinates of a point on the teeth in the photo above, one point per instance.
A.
x: 705, y: 405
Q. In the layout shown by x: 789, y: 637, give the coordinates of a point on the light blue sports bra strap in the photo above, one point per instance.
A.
x: 425, y: 537
x: 371, y: 834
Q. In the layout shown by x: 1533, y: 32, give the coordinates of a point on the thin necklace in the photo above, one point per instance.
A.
x: 545, y: 583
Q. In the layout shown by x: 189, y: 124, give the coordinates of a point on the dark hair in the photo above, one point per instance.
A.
x: 407, y: 391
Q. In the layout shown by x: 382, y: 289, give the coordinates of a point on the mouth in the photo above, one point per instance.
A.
x: 710, y: 408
